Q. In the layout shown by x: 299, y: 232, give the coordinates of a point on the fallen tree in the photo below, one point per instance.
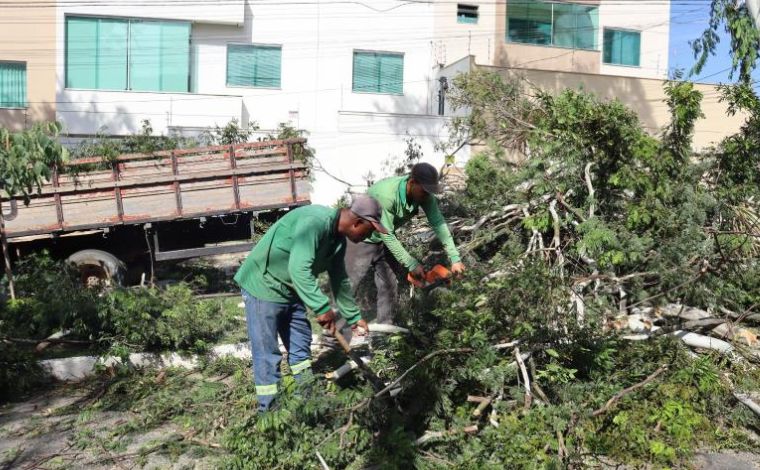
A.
x: 608, y: 312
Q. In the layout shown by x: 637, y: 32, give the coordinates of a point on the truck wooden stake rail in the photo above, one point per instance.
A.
x: 195, y: 202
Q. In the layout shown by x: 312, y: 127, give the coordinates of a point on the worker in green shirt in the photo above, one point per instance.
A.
x: 400, y: 198
x: 279, y: 281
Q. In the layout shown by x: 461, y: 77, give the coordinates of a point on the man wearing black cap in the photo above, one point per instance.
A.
x: 279, y: 280
x: 400, y: 198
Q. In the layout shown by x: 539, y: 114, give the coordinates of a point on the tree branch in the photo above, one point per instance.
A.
x: 424, y: 359
x: 611, y: 402
x: 526, y: 378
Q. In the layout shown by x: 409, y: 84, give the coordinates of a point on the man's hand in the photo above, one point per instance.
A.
x: 327, y: 321
x: 360, y: 328
x: 458, y: 269
x: 418, y: 272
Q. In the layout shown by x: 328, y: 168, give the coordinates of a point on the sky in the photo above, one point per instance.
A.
x: 687, y: 23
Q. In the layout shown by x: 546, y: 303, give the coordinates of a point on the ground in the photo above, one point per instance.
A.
x: 45, y: 433
x: 65, y: 427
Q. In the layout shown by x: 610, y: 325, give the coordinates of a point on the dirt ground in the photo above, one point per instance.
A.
x: 47, y: 432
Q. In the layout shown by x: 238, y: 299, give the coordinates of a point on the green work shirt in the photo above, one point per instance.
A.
x: 285, y: 263
x: 391, y: 194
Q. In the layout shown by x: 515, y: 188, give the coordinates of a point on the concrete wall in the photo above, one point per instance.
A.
x: 454, y: 40
x: 27, y: 34
x: 653, y: 20
x: 644, y: 96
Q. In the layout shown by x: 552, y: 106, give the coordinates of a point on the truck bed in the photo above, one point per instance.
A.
x: 168, y: 185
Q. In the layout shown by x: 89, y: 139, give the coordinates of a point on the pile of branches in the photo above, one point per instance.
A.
x: 607, y: 317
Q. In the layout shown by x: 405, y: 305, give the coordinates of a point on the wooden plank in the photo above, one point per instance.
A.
x: 201, y: 182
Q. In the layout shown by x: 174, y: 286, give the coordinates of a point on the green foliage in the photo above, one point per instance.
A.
x: 19, y: 372
x: 736, y: 20
x: 144, y: 141
x: 159, y: 319
x: 232, y: 133
x: 139, y: 318
x: 26, y: 158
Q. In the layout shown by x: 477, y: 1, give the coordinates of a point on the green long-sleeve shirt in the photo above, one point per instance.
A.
x: 285, y: 263
x: 391, y: 194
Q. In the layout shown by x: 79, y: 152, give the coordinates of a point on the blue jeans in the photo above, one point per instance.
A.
x: 265, y: 321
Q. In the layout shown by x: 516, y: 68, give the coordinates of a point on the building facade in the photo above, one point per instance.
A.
x: 360, y: 78
x: 27, y: 63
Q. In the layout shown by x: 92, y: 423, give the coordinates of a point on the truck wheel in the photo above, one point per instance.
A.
x: 98, y: 268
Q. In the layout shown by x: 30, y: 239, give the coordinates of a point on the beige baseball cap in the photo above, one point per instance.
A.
x: 367, y: 208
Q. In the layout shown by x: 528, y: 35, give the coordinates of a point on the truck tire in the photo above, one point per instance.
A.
x: 98, y: 268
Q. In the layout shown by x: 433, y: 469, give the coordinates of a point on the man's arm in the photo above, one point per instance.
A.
x: 305, y: 243
x: 438, y: 224
x: 341, y: 289
x: 394, y: 246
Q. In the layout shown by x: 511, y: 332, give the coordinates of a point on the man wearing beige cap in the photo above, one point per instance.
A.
x: 279, y: 281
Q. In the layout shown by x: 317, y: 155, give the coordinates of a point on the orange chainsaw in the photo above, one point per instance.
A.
x: 437, y: 276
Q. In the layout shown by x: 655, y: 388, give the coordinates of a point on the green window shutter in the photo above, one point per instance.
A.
x: 267, y: 67
x: 81, y: 52
x: 631, y: 48
x: 175, y: 56
x: 240, y: 65
x: 159, y: 56
x: 111, y: 63
x: 145, y: 56
x: 376, y: 72
x: 12, y: 85
x: 254, y: 66
x: 609, y: 46
x: 365, y: 75
x: 622, y: 47
x: 114, y: 54
x: 391, y: 73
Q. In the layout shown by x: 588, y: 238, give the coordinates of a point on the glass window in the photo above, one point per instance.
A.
x: 118, y: 54
x: 467, y: 14
x: 12, y: 85
x: 254, y: 66
x: 529, y: 22
x: 622, y: 47
x: 378, y: 72
x: 552, y: 24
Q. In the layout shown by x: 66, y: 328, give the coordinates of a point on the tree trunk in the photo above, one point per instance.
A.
x: 6, y: 255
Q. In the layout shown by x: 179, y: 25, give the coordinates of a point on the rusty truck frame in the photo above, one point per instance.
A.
x: 109, y: 215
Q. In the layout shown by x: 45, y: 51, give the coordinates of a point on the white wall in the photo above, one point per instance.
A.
x: 199, y: 11
x: 122, y: 112
x: 353, y: 133
x: 455, y: 40
x: 653, y: 20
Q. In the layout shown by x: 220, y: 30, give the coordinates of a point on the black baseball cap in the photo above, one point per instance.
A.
x: 426, y: 175
x: 367, y: 208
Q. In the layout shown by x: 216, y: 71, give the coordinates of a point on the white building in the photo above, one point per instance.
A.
x: 359, y: 77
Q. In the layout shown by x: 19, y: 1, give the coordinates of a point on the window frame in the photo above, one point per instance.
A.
x: 128, y: 19
x: 252, y: 45
x: 26, y: 83
x: 377, y: 52
x: 622, y: 30
x: 474, y: 9
x: 597, y: 48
